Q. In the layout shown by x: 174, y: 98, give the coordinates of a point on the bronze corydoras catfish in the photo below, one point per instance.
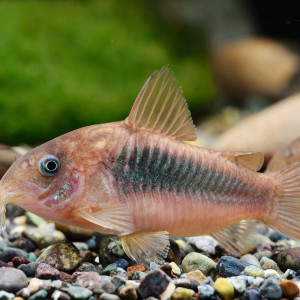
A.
x: 139, y: 180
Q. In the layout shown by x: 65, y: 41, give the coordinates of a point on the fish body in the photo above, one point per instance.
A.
x: 139, y: 180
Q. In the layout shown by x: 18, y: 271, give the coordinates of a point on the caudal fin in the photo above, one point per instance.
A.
x: 287, y: 210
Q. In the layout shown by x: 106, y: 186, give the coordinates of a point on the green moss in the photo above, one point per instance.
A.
x: 66, y: 65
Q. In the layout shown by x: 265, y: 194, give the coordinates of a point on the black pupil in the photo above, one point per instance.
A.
x: 51, y: 165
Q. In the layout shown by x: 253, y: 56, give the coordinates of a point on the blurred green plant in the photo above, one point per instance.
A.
x: 68, y: 64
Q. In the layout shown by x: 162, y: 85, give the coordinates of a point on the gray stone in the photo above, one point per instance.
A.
x: 12, y: 280
x: 117, y: 281
x: 252, y: 294
x: 9, y: 253
x: 78, y: 292
x: 204, y: 243
x: 196, y: 261
x: 29, y: 269
x: 205, y: 291
x: 6, y: 296
x: 88, y: 267
x: 229, y: 266
x: 107, y: 296
x: 270, y: 289
x: 40, y: 295
x: 59, y: 295
x: 250, y: 259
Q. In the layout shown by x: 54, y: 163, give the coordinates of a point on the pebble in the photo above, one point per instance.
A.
x: 24, y: 244
x: 174, y: 253
x: 181, y: 244
x: 45, y: 271
x: 254, y: 271
x: 35, y: 284
x: 271, y: 273
x: 258, y: 281
x: 110, y: 250
x: 224, y: 288
x: 275, y: 236
x: 59, y: 295
x: 106, y: 296
x: 135, y: 268
x: 9, y: 253
x: 78, y: 292
x: 89, y: 280
x: 156, y: 284
x: 117, y: 281
x: 139, y: 275
x: 40, y: 295
x: 204, y: 243
x: 264, y: 253
x: 251, y: 259
x: 182, y: 294
x: 29, y: 269
x: 239, y: 284
x: 109, y: 269
x: 267, y: 263
x: 206, y: 291
x: 17, y: 261
x: 252, y: 294
x: 88, y: 267
x: 128, y: 293
x: 6, y: 296
x: 230, y: 266
x: 12, y: 280
x: 63, y: 256
x: 32, y: 256
x: 196, y: 275
x: 270, y: 289
x: 81, y: 246
x: 34, y: 219
x: 289, y: 259
x: 289, y: 288
x: 196, y: 261
x: 175, y: 269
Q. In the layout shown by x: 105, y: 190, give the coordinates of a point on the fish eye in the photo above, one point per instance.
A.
x: 50, y: 165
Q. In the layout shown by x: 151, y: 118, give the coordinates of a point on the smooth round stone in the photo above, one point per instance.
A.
x: 275, y: 236
x: 78, y: 292
x: 271, y: 273
x: 252, y: 294
x: 40, y: 295
x: 204, y: 243
x: 45, y: 235
x: 29, y: 269
x: 270, y: 289
x: 88, y: 280
x: 264, y: 253
x: 289, y: 289
x: 258, y: 281
x: 205, y: 291
x: 107, y: 296
x: 6, y: 296
x: 35, y: 284
x: 182, y: 294
x: 196, y: 261
x: 250, y: 259
x: 156, y: 284
x: 239, y: 284
x: 24, y: 244
x: 128, y: 293
x: 59, y: 295
x: 289, y: 259
x: 229, y: 266
x: 81, y: 246
x: 175, y: 269
x: 31, y: 256
x: 9, y: 253
x: 196, y: 275
x: 254, y: 271
x: 63, y: 256
x: 12, y: 280
x: 267, y: 263
x: 224, y: 288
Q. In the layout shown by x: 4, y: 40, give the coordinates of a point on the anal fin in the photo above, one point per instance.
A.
x: 145, y: 247
x: 237, y: 238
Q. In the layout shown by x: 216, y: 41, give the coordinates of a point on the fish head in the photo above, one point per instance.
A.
x: 49, y: 180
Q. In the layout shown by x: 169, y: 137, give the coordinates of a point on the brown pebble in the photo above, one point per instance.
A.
x: 18, y: 298
x: 289, y: 288
x: 88, y: 256
x: 18, y: 260
x: 133, y: 269
x: 128, y: 293
x: 65, y: 277
x: 196, y: 275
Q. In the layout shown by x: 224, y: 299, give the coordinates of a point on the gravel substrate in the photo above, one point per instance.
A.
x: 37, y: 261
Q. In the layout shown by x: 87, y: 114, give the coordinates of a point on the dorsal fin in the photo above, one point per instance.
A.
x: 160, y: 107
x: 252, y: 160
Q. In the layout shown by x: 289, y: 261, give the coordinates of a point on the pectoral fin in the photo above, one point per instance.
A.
x: 115, y: 217
x: 237, y: 238
x: 145, y: 247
